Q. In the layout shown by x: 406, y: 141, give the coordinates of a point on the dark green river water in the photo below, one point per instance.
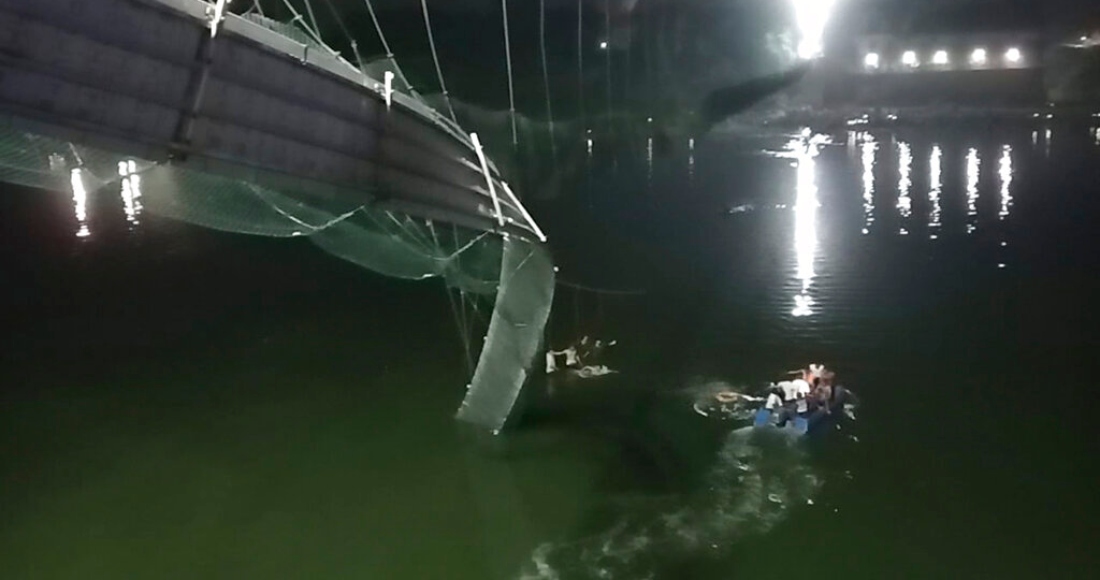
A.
x: 182, y: 403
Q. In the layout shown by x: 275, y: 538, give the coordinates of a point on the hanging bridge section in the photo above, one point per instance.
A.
x: 187, y: 83
x: 249, y: 125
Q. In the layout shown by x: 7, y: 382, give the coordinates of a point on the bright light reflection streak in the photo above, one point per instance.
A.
x: 1005, y: 173
x: 805, y: 227
x: 80, y: 203
x: 1097, y: 135
x: 905, y: 182
x: 935, y: 184
x: 869, y: 148
x: 973, y: 171
x: 811, y: 17
x: 131, y: 191
x: 691, y: 159
x: 649, y: 159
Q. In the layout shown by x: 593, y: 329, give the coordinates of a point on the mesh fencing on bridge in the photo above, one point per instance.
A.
x: 480, y: 269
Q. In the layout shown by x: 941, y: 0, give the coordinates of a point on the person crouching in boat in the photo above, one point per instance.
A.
x: 822, y: 395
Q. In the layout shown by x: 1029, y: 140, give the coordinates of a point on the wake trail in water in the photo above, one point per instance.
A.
x: 757, y: 478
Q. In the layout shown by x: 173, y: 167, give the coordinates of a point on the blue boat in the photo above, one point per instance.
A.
x: 803, y: 423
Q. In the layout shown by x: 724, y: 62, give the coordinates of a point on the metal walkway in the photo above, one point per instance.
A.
x: 179, y: 81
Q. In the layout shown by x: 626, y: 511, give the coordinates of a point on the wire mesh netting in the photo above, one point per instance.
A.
x: 477, y: 267
x: 288, y: 30
x: 522, y: 304
x: 473, y: 264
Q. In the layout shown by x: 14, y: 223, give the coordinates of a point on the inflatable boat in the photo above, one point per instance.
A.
x: 803, y: 423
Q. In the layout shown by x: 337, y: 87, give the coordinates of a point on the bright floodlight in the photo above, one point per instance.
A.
x: 940, y: 57
x: 811, y: 17
x: 1013, y: 55
x: 978, y: 56
x: 909, y: 58
x: 871, y: 60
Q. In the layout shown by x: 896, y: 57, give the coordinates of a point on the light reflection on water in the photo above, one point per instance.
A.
x: 905, y: 183
x: 973, y: 173
x: 649, y: 161
x: 130, y: 191
x: 1004, y: 172
x: 935, y: 190
x: 907, y: 192
x: 805, y: 228
x: 869, y: 149
x: 80, y: 203
x: 691, y: 160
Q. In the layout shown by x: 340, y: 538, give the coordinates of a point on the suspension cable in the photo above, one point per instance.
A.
x: 347, y: 34
x: 467, y: 329
x: 580, y: 59
x: 340, y: 22
x: 607, y: 21
x: 378, y: 28
x: 546, y: 80
x: 629, y: 60
x: 592, y: 289
x: 312, y: 18
x: 511, y: 88
x: 298, y: 18
x: 386, y: 45
x: 435, y: 58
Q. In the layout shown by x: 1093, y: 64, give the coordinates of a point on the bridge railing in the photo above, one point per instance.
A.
x: 330, y: 61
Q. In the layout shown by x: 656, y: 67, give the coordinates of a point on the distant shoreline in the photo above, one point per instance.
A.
x: 858, y: 118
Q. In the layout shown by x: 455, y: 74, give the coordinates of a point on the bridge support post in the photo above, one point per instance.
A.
x: 389, y: 88
x: 488, y: 178
x: 523, y: 210
x: 196, y: 88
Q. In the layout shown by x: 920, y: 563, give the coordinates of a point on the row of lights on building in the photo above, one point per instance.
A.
x: 909, y: 58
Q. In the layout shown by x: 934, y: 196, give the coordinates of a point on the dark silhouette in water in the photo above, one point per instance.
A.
x: 545, y: 160
x: 726, y: 102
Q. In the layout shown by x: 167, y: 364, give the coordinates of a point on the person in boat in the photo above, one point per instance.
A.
x: 813, y: 371
x: 795, y: 390
x: 796, y: 393
x: 775, y: 399
x: 823, y: 393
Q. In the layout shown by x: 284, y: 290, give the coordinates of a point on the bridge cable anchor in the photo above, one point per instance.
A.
x: 216, y: 13
x: 389, y: 88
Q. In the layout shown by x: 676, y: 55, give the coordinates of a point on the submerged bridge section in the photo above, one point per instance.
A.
x: 182, y: 80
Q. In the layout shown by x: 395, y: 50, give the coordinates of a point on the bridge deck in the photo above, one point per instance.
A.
x: 146, y: 78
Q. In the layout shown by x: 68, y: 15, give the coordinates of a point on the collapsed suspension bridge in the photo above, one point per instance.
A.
x: 246, y: 124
